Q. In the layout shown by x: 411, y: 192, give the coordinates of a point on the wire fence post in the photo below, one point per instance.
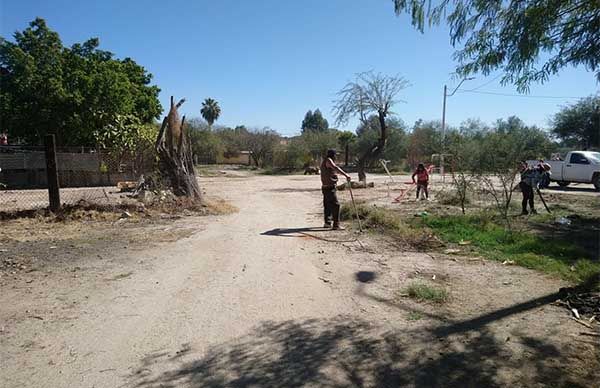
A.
x: 52, y: 174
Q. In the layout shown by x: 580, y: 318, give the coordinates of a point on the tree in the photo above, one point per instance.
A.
x: 535, y: 143
x: 176, y: 162
x: 396, y: 144
x: 317, y: 143
x: 424, y: 141
x: 369, y: 93
x: 346, y: 138
x: 515, y: 36
x: 463, y: 150
x: 314, y: 122
x: 261, y: 143
x: 75, y: 93
x: 579, y: 123
x: 210, y: 111
x: 233, y: 139
x: 206, y: 144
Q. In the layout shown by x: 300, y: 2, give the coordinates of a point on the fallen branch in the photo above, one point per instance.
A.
x: 325, y: 239
x: 582, y: 323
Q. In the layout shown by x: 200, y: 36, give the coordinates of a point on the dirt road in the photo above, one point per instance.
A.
x: 253, y: 299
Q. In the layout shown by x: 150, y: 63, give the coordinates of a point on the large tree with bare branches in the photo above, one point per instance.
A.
x: 370, y: 93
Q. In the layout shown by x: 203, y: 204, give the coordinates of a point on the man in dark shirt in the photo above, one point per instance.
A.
x: 329, y: 178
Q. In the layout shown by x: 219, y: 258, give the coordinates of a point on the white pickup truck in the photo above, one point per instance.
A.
x: 578, y: 166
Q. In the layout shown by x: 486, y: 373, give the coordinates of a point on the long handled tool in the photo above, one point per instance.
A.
x: 543, y: 201
x: 355, y: 209
x: 384, y: 164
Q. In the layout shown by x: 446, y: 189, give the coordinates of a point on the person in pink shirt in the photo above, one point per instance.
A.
x: 422, y: 180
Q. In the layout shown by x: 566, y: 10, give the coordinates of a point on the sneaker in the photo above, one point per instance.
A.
x: 327, y: 225
x: 338, y: 227
x: 524, y: 213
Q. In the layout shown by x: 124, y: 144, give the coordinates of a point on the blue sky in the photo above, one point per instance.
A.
x: 268, y: 61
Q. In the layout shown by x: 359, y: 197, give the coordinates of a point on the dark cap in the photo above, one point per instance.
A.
x: 331, y: 153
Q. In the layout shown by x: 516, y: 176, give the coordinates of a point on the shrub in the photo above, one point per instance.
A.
x: 425, y: 292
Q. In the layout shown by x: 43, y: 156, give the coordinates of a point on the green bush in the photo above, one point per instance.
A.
x: 451, y: 198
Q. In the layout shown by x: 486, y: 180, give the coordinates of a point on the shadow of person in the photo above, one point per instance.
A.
x: 365, y: 276
x: 291, y: 232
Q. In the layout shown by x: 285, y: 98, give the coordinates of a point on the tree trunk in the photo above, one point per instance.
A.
x: 374, y: 151
x: 176, y: 162
x: 346, y: 154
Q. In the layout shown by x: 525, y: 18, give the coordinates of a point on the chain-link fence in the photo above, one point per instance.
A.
x: 87, y: 174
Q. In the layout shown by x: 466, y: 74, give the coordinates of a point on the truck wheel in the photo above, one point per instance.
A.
x: 563, y: 183
x: 596, y: 182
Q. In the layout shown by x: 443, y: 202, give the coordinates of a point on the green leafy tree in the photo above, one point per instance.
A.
x: 396, y: 144
x: 534, y: 142
x: 314, y: 122
x: 293, y: 155
x: 529, y: 40
x: 262, y: 144
x: 210, y: 111
x: 424, y: 141
x: 317, y: 143
x: 472, y: 126
x: 75, y: 93
x: 125, y: 136
x: 234, y: 140
x: 346, y: 138
x: 206, y: 144
x: 463, y: 150
x: 370, y: 93
x: 579, y: 123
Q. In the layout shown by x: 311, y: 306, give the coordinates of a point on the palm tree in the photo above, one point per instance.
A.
x: 210, y: 111
x: 345, y: 138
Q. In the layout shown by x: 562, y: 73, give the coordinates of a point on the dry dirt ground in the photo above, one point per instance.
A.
x: 265, y: 298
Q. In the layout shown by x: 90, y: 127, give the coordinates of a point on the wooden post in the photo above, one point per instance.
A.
x: 52, y: 174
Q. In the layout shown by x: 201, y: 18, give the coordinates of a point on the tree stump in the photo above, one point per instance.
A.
x: 176, y: 162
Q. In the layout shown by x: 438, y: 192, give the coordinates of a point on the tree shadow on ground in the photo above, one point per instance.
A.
x: 582, y: 231
x: 350, y: 352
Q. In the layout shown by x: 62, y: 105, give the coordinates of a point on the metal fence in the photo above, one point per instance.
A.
x: 86, y: 174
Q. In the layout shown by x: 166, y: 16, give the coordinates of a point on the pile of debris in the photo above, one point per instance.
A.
x: 149, y: 190
x: 585, y: 303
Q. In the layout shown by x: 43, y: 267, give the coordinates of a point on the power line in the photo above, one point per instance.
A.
x: 517, y: 95
x: 485, y: 84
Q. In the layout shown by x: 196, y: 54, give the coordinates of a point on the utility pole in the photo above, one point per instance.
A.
x: 443, y: 135
x: 444, y: 122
